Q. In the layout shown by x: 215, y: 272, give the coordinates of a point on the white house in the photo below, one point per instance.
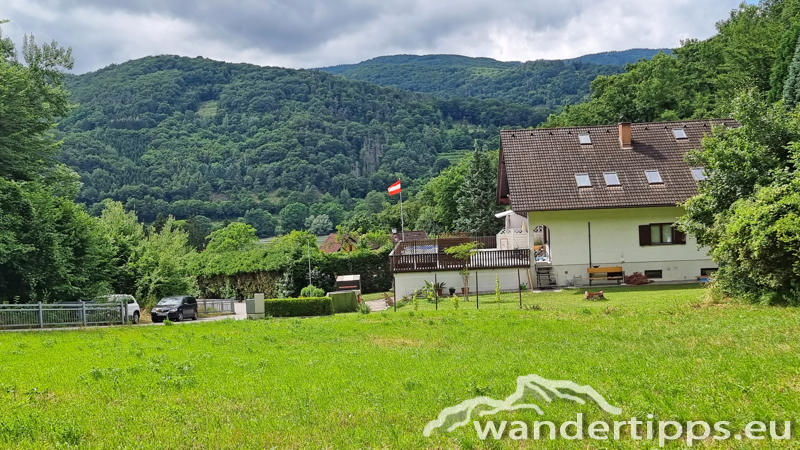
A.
x: 602, y: 200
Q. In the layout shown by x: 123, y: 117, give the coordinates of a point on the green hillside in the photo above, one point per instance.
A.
x: 172, y: 135
x: 536, y: 83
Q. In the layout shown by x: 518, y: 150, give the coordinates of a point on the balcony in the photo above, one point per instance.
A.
x: 429, y: 255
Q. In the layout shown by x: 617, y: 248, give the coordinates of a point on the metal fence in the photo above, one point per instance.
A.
x: 216, y: 305
x: 41, y: 315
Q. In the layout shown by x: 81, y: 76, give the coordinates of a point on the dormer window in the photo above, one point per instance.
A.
x: 679, y: 133
x: 699, y: 173
x: 653, y: 177
x: 585, y: 139
x: 583, y: 180
x: 611, y: 178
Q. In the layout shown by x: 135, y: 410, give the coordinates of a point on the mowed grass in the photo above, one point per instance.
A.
x: 374, y: 381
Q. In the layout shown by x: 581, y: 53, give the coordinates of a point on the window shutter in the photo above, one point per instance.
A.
x: 678, y: 237
x: 644, y: 235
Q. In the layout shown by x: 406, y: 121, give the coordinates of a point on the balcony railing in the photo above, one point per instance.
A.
x: 428, y: 255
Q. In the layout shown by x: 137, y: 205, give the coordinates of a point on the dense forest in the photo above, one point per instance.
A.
x: 171, y: 135
x: 536, y: 83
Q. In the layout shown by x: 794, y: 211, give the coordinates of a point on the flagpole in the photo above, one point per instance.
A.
x: 402, y: 225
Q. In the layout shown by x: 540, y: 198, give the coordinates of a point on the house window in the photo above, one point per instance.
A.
x: 653, y: 274
x: 679, y: 133
x: 707, y: 272
x: 660, y: 234
x: 585, y: 139
x: 611, y: 178
x: 583, y: 180
x: 699, y: 173
x: 653, y: 177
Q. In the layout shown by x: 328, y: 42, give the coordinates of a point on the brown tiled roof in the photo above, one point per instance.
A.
x: 538, y: 166
x: 330, y: 245
x: 410, y: 236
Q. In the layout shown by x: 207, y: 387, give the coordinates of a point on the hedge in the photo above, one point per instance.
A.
x: 344, y: 301
x: 297, y: 307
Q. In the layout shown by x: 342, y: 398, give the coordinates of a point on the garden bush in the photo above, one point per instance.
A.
x: 636, y: 279
x: 311, y: 291
x: 298, y: 307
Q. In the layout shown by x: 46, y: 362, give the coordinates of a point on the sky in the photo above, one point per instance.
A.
x: 317, y: 33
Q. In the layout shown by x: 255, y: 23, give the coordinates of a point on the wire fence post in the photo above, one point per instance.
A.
x: 436, y: 288
x: 83, y: 313
x: 233, y: 306
x: 477, y: 292
x: 519, y: 287
x: 122, y: 309
x: 41, y: 316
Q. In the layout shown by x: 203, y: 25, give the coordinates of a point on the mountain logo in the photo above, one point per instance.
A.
x: 461, y: 414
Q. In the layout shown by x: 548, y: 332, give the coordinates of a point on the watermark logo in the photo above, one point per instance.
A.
x: 534, y: 386
x: 547, y: 390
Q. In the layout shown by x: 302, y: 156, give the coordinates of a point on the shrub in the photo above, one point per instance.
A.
x: 298, y: 307
x: 312, y: 291
x: 344, y: 301
x: 364, y: 308
x: 636, y: 279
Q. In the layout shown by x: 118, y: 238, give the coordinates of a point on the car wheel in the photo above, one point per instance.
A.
x: 136, y: 318
x: 180, y: 315
x: 195, y: 315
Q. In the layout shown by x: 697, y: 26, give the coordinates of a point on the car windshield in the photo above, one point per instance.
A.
x: 169, y: 302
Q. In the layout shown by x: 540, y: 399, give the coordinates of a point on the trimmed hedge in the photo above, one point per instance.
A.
x: 297, y: 307
x: 344, y: 301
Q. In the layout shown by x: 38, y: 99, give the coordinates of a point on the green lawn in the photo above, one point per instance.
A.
x: 374, y: 381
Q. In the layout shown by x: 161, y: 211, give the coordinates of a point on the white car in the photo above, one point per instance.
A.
x: 134, y: 312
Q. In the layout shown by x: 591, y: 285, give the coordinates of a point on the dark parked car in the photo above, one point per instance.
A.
x: 175, y: 309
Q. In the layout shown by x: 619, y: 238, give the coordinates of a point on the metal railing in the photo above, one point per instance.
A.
x: 41, y: 315
x: 216, y: 305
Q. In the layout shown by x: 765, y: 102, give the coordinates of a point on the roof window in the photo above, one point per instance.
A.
x: 611, y: 178
x: 679, y: 133
x: 583, y: 180
x: 653, y: 177
x: 585, y: 139
x: 699, y: 173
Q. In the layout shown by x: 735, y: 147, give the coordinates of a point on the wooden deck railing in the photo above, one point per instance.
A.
x: 485, y: 259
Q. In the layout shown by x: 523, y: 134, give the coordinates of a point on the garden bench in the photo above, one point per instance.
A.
x: 611, y: 273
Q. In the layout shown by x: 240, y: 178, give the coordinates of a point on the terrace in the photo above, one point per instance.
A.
x: 429, y: 255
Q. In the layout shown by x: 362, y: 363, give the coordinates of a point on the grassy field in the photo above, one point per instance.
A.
x: 374, y: 381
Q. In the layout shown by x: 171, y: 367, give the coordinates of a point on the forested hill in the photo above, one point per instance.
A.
x: 182, y: 136
x: 536, y: 83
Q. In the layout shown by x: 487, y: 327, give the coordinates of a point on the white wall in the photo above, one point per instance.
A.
x: 407, y: 282
x: 615, y: 242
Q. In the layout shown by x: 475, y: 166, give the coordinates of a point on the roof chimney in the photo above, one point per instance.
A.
x: 625, y: 135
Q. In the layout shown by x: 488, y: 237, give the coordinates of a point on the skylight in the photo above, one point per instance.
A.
x: 653, y: 177
x: 699, y: 173
x: 679, y: 133
x: 585, y: 138
x: 611, y: 178
x: 583, y: 180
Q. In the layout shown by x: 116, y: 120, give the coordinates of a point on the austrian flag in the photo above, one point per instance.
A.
x: 395, y: 188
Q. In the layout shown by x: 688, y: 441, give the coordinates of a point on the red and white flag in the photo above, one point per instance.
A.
x: 395, y: 188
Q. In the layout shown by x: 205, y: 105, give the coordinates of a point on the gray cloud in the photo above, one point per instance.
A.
x: 314, y: 33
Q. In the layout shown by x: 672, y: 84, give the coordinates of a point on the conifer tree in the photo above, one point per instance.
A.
x: 791, y: 88
x: 477, y: 199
